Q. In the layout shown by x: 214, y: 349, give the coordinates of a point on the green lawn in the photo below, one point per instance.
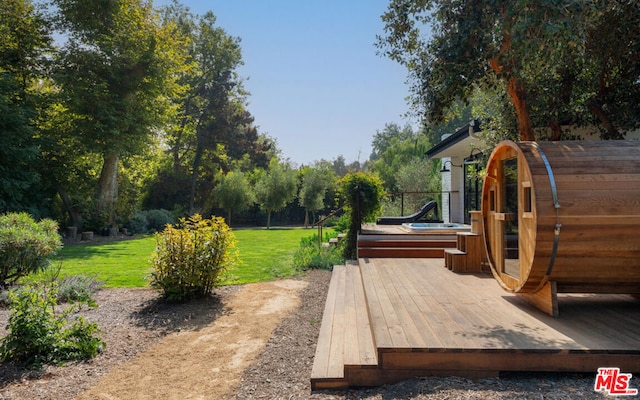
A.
x: 264, y: 254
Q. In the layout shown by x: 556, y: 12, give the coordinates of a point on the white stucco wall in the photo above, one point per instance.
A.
x: 453, y: 191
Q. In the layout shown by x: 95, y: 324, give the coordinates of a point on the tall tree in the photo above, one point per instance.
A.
x: 114, y: 71
x: 392, y: 133
x: 400, y: 148
x: 213, y: 123
x: 534, y: 50
x: 25, y: 42
x: 276, y: 187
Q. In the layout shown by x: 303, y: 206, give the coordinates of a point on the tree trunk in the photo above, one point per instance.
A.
x: 229, y: 217
x: 194, y: 178
x: 74, y: 213
x: 268, y: 219
x: 556, y: 129
x: 518, y: 93
x: 515, y: 87
x: 611, y: 132
x: 306, y: 217
x: 108, y: 188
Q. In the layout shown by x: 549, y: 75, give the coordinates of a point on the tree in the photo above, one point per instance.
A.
x: 419, y: 175
x: 25, y: 42
x: 276, y: 187
x: 361, y: 194
x: 398, y: 150
x: 392, y: 133
x: 315, y: 182
x: 114, y: 71
x: 546, y: 56
x: 233, y: 193
x: 213, y: 126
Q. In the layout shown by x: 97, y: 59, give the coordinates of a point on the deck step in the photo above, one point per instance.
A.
x: 404, y: 246
x: 400, y: 252
x: 455, y: 260
x: 345, y: 338
x: 407, y: 243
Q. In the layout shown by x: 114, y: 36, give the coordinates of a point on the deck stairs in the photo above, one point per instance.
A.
x: 345, y: 339
x: 468, y: 255
x: 404, y: 246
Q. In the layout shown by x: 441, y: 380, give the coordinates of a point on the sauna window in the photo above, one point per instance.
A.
x: 492, y: 200
x: 509, y: 205
x: 526, y: 199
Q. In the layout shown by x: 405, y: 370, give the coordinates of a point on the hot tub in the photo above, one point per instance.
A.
x: 435, y: 227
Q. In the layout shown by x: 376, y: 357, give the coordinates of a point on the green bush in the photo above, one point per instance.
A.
x: 25, y: 245
x: 149, y: 221
x: 362, y: 194
x: 190, y: 260
x: 77, y: 288
x: 312, y: 256
x: 138, y: 223
x: 37, y: 335
x: 158, y: 219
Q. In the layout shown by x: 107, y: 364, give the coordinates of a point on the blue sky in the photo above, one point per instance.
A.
x: 317, y: 85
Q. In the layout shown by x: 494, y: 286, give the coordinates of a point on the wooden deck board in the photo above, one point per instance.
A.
x: 376, y: 316
x: 323, y: 348
x: 351, y: 351
x: 426, y: 320
x: 366, y: 345
x: 404, y: 307
x: 336, y: 352
x: 388, y: 323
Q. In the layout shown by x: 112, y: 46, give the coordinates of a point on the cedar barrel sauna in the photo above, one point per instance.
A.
x: 563, y: 217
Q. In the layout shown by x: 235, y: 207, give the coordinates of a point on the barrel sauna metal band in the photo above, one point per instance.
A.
x: 556, y: 205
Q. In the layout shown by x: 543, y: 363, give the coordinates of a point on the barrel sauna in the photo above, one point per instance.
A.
x: 563, y: 217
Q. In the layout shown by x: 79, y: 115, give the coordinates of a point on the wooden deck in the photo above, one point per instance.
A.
x: 390, y: 319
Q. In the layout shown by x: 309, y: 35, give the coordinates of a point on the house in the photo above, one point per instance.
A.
x: 461, y: 187
x: 461, y: 153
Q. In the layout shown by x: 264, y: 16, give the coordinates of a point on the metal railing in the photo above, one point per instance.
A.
x: 320, y: 223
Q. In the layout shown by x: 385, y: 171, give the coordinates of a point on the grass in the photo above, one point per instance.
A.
x: 123, y: 264
x: 265, y: 255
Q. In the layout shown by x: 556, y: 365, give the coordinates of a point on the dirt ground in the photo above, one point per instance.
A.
x: 255, y: 341
x: 206, y: 362
x: 201, y: 355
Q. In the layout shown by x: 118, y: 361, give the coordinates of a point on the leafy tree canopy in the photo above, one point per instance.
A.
x: 276, y: 187
x: 559, y: 62
x: 315, y: 183
x: 233, y: 193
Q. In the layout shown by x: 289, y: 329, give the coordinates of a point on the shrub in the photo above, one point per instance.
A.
x: 190, y: 260
x: 312, y: 256
x: 137, y: 223
x: 362, y: 194
x: 77, y: 288
x: 25, y: 245
x: 37, y: 335
x: 157, y: 220
x: 149, y: 220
